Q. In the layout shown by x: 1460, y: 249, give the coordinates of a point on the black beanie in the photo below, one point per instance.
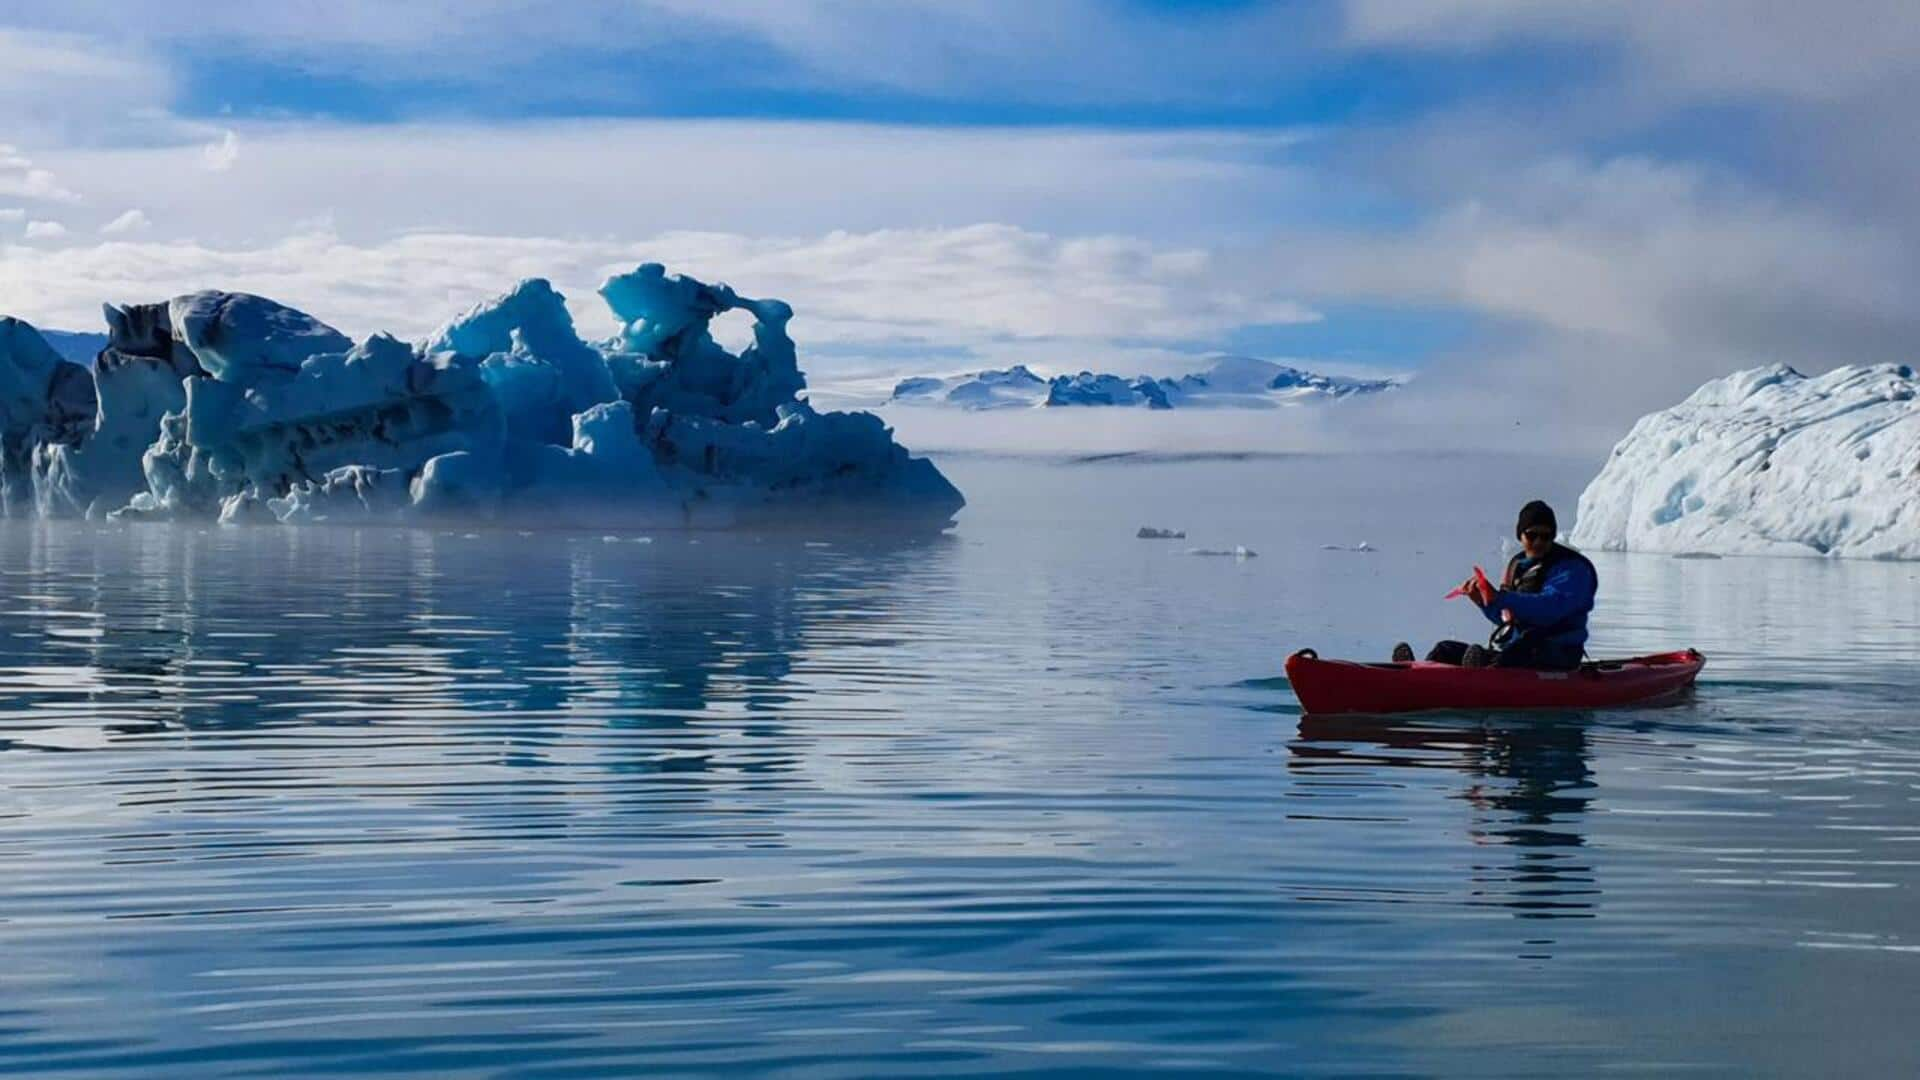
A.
x: 1535, y: 515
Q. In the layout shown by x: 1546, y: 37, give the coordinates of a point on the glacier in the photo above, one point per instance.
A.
x: 1768, y: 461
x: 232, y: 407
x: 1229, y: 382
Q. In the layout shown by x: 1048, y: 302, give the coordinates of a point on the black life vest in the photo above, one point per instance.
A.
x: 1531, y: 580
x: 1535, y: 575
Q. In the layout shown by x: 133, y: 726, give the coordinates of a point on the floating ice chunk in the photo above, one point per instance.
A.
x: 1362, y: 547
x: 233, y: 407
x: 1768, y: 462
x: 1148, y: 532
x: 1239, y: 551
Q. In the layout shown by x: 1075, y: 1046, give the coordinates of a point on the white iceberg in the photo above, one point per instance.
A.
x: 1243, y: 382
x: 230, y: 406
x: 1768, y: 462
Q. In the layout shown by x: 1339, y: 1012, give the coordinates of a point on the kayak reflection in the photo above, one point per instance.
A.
x: 1528, y: 782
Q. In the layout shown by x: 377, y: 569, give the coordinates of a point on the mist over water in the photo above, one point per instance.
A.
x: 1028, y: 797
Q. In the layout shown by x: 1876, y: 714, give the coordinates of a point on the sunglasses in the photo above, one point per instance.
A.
x: 1538, y: 534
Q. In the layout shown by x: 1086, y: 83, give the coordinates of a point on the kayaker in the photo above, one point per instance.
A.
x: 1540, y: 610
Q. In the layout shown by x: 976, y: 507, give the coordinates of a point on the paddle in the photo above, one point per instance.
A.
x: 1479, y: 587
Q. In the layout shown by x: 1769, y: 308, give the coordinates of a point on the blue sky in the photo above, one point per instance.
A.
x: 1600, y: 204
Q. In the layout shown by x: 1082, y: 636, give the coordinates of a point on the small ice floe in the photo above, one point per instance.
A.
x: 609, y: 539
x: 1238, y: 551
x: 1362, y: 546
x: 1695, y: 555
x: 1148, y: 532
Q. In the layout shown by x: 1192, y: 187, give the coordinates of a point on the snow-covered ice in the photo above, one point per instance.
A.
x: 1768, y: 462
x: 231, y: 406
x: 1238, y: 551
x: 1229, y: 382
x: 1148, y: 532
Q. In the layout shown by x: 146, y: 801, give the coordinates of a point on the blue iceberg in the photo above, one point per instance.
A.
x: 232, y: 407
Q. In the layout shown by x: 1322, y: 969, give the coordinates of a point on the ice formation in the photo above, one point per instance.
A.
x: 1230, y: 382
x: 234, y: 407
x: 1768, y: 462
x: 1148, y: 532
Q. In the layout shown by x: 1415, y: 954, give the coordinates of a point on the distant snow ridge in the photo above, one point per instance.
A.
x: 228, y: 406
x: 1232, y: 382
x: 1768, y: 462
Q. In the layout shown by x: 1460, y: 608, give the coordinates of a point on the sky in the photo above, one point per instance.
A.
x: 1559, y: 215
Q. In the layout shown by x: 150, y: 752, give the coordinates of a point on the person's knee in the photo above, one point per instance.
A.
x: 1447, y: 652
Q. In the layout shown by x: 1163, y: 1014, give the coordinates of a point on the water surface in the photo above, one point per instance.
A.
x: 1027, y: 798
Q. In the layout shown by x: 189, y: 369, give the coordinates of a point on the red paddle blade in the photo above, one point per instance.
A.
x: 1479, y: 586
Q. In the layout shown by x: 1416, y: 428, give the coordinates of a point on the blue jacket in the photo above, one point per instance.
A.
x: 1558, y: 609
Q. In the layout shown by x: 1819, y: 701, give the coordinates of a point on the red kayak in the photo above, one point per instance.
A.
x: 1346, y: 686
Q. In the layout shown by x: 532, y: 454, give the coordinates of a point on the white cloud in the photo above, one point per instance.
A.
x: 19, y: 179
x: 639, y: 177
x: 130, y: 222
x: 219, y: 156
x: 12, y: 213
x: 1622, y: 286
x: 981, y: 286
x: 45, y: 230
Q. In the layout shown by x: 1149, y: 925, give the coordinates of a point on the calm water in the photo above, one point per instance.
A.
x: 1030, y: 798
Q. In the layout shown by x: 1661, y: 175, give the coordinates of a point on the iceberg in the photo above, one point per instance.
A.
x: 1229, y: 382
x: 233, y: 407
x: 44, y: 399
x: 1768, y: 462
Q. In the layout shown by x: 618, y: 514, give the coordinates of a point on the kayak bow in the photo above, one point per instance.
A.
x: 1347, y: 686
